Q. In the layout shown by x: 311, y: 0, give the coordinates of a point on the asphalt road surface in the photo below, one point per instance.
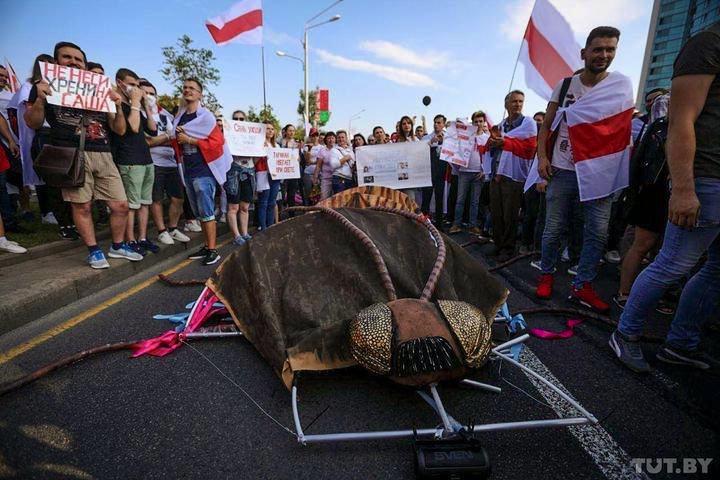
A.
x: 180, y: 417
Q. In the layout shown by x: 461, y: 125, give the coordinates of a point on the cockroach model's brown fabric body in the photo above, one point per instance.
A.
x: 361, y: 279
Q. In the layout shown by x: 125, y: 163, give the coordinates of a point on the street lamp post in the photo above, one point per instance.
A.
x: 304, y: 60
x: 357, y: 115
x: 305, y: 48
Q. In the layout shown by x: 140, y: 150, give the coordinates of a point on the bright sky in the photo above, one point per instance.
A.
x: 381, y: 58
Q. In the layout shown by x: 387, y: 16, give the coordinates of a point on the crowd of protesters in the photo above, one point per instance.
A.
x: 666, y: 213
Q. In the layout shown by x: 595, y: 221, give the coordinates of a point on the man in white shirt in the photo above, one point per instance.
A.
x: 167, y: 176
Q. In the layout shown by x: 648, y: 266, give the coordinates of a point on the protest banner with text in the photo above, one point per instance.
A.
x: 245, y: 139
x: 75, y: 88
x: 394, y: 165
x: 283, y: 163
x: 458, y: 143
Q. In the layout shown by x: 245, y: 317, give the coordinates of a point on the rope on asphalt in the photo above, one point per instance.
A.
x: 244, y: 392
x: 181, y: 283
x: 41, y: 372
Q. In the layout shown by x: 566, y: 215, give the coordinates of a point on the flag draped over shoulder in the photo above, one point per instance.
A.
x: 243, y: 23
x: 600, y: 131
x: 518, y: 151
x: 549, y: 51
x: 211, y: 142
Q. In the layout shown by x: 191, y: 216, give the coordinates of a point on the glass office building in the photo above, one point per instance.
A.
x: 671, y: 24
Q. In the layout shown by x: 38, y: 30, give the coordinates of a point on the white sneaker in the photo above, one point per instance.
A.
x: 165, y: 238
x: 11, y: 247
x: 565, y: 255
x: 49, y: 219
x: 179, y: 236
x: 612, y: 256
x: 192, y: 226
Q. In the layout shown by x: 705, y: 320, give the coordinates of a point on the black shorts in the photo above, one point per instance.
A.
x: 650, y: 208
x: 167, y: 180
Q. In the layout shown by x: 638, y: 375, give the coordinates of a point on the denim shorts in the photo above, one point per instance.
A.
x: 201, y: 196
x: 239, y: 184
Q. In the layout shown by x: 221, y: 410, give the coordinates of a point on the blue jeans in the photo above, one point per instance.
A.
x: 680, y: 252
x: 201, y: 196
x: 266, y: 204
x: 468, y: 181
x: 562, y: 198
x: 340, y: 184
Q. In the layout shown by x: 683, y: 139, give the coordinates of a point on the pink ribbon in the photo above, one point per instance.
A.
x: 171, y: 340
x: 567, y: 333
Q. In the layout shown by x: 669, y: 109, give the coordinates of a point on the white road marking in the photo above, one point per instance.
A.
x: 610, y: 458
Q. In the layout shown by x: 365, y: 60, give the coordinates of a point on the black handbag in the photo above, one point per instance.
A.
x: 63, y: 167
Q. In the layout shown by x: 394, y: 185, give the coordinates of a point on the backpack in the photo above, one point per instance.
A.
x: 561, y: 99
x: 648, y: 163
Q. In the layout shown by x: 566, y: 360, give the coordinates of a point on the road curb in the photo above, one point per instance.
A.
x: 23, y: 306
x: 58, y: 246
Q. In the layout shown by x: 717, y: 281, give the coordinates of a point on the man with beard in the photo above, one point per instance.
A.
x: 556, y: 164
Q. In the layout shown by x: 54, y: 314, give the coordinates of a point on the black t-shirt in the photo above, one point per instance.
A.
x: 701, y: 56
x: 65, y: 126
x: 131, y: 148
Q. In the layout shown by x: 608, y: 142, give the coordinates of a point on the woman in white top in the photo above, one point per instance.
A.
x: 470, y: 180
x: 328, y: 157
x: 342, y: 163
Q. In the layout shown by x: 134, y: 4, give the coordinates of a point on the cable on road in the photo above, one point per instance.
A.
x: 264, y: 412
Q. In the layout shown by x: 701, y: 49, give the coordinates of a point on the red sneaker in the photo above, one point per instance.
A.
x: 544, y: 288
x: 587, y: 296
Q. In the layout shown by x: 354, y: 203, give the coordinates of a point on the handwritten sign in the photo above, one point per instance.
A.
x: 458, y: 143
x: 283, y: 163
x: 74, y: 88
x: 394, y: 165
x: 245, y: 139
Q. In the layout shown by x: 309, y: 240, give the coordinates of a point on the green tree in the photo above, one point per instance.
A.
x: 183, y: 61
x: 168, y: 102
x: 265, y: 114
x: 312, y: 102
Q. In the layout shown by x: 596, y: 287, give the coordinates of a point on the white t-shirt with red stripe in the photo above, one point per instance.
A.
x: 562, y: 156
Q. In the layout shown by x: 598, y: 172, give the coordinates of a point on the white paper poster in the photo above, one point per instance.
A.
x: 458, y: 143
x: 283, y: 163
x: 245, y: 139
x: 394, y: 165
x: 75, y: 88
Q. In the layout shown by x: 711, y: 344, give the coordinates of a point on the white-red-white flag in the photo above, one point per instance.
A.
x: 600, y: 131
x: 14, y: 82
x: 241, y: 24
x: 549, y: 51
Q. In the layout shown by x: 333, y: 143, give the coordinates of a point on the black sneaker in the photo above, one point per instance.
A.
x: 202, y: 253
x: 137, y: 248
x: 211, y: 257
x: 148, y: 245
x: 68, y: 233
x: 688, y: 358
x: 628, y: 351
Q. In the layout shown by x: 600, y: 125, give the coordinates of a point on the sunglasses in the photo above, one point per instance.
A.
x: 239, y: 119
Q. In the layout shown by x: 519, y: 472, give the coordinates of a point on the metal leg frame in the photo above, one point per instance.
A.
x: 449, y: 424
